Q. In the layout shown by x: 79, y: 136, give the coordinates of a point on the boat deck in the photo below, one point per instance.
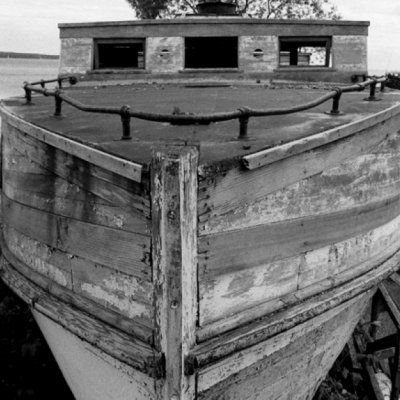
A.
x: 217, y: 141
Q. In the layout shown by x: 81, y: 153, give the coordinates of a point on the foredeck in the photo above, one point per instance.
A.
x: 216, y: 141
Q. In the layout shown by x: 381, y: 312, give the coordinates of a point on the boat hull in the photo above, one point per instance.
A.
x: 176, y: 280
x: 296, y: 363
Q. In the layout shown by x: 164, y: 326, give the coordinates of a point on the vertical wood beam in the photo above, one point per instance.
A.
x: 395, y: 372
x: 174, y: 250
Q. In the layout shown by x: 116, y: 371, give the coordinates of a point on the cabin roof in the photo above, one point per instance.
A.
x: 216, y: 20
x: 216, y: 141
x: 201, y: 25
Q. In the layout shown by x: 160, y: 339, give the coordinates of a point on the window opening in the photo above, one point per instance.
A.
x: 211, y: 52
x: 119, y: 54
x: 305, y: 52
x: 258, y: 53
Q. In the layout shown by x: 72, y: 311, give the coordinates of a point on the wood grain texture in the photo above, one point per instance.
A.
x: 259, y: 245
x: 174, y: 193
x: 286, y: 282
x: 114, y: 164
x: 109, y: 186
x: 116, y: 291
x: 365, y: 178
x: 122, y: 251
x: 286, y: 150
x: 290, y: 365
x: 253, y: 325
x: 138, y: 329
x: 225, y: 189
x: 57, y: 196
x: 123, y: 347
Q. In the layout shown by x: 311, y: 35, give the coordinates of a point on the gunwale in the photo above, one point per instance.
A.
x: 217, y: 142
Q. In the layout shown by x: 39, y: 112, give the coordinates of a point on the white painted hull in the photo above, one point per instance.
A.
x: 292, y: 365
x: 90, y: 373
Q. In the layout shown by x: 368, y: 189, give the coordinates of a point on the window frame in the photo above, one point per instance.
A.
x: 116, y: 41
x: 326, y: 42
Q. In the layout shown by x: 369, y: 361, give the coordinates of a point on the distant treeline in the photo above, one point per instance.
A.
x: 9, y: 54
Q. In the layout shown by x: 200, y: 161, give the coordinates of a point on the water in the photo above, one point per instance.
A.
x: 14, y: 71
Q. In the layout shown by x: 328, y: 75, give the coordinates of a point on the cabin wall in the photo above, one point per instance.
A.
x: 76, y: 55
x: 251, y: 60
x: 262, y: 36
x: 350, y: 53
x: 165, y: 54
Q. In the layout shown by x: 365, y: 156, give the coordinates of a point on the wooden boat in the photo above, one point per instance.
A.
x: 190, y: 262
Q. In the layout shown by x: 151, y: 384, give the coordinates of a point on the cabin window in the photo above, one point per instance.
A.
x: 211, y: 52
x: 119, y: 54
x: 305, y: 52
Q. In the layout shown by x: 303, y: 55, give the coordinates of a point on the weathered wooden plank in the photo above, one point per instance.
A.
x: 277, y: 153
x: 112, y: 163
x: 240, y: 249
x: 88, y: 315
x: 364, y: 249
x: 122, y: 251
x: 222, y: 370
x: 396, y: 279
x: 238, y: 291
x: 55, y: 195
x: 115, y: 189
x: 113, y: 290
x: 251, y: 321
x: 391, y: 305
x: 174, y: 207
x: 287, y: 281
x: 366, y: 178
x: 226, y: 189
x: 295, y: 371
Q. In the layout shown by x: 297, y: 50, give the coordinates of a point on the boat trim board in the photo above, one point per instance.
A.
x: 120, y: 166
x: 277, y: 153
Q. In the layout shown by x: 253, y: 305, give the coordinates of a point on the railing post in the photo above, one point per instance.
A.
x: 126, y: 123
x: 28, y: 93
x: 58, y: 103
x: 243, y: 123
x: 335, y: 104
x: 372, y: 92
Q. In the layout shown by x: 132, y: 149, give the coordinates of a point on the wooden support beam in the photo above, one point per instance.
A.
x: 395, y: 371
x: 174, y: 250
x: 375, y: 393
x: 382, y: 344
x: 395, y: 278
x: 391, y: 305
x: 375, y: 309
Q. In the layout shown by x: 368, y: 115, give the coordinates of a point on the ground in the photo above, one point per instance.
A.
x: 27, y: 368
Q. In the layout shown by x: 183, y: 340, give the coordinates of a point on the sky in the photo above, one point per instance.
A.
x: 31, y: 25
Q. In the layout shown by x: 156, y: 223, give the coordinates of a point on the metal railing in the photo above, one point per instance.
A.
x: 243, y: 114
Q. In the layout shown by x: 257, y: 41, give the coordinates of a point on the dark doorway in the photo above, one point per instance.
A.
x: 211, y: 52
